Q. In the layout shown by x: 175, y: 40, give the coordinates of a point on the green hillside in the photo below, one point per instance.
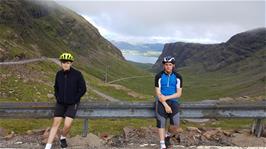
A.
x: 32, y: 29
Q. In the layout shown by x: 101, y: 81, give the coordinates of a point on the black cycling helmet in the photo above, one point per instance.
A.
x: 168, y: 59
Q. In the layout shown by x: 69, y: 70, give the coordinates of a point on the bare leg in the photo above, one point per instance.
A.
x: 162, y: 137
x: 53, y: 131
x: 161, y: 133
x: 67, y: 126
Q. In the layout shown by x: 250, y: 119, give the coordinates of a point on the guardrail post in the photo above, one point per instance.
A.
x: 85, y: 127
x: 258, y: 127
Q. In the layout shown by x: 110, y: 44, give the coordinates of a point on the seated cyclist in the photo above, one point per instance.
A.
x: 168, y: 87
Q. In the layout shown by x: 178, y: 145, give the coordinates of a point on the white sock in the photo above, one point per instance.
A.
x: 162, y: 144
x: 48, y: 146
x: 62, y: 137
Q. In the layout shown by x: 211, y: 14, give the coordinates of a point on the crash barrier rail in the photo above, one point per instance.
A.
x: 93, y: 110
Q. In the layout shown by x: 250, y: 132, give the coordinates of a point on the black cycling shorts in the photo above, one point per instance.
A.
x: 161, y: 115
x: 66, y: 110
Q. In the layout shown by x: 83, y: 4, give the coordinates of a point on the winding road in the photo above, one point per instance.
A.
x: 56, y: 61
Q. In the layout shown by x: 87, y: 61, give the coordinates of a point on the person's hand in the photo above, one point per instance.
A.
x: 162, y: 98
x: 168, y: 109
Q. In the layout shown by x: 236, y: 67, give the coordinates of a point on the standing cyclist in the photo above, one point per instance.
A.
x: 69, y: 87
x: 168, y: 87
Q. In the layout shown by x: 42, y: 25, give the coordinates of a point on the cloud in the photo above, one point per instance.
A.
x: 171, y: 21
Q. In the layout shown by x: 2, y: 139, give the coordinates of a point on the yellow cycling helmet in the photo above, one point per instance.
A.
x: 66, y: 57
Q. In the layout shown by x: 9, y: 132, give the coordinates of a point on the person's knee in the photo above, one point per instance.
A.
x: 56, y: 123
x: 175, y: 119
x: 161, y: 123
x: 68, y: 123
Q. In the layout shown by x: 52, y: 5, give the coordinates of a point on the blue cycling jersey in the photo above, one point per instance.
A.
x: 168, y: 83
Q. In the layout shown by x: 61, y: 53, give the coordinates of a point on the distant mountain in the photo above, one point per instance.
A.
x: 212, y: 57
x: 141, y: 47
x: 235, y: 68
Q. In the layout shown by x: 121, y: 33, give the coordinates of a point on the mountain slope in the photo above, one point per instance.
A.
x: 234, y: 68
x: 216, y: 56
x: 30, y: 29
x: 47, y: 28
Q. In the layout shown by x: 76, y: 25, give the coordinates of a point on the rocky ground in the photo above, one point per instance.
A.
x: 145, y: 138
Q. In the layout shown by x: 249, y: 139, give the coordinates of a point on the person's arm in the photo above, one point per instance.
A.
x: 81, y: 87
x: 159, y: 95
x: 157, y: 85
x: 175, y: 95
x: 56, y: 86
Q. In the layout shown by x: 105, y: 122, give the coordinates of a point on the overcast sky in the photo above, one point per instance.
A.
x: 170, y: 21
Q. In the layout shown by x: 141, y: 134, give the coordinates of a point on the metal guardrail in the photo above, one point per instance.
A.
x: 92, y: 110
